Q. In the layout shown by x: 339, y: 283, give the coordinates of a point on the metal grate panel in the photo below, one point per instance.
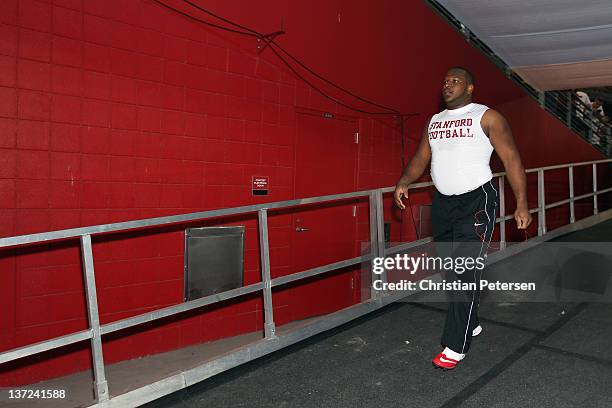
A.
x: 214, y: 260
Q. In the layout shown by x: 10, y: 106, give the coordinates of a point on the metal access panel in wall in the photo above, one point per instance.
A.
x: 214, y: 260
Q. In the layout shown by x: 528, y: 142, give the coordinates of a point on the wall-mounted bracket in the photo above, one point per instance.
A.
x: 266, y: 39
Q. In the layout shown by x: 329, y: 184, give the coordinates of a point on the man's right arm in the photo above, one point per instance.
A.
x: 415, y: 168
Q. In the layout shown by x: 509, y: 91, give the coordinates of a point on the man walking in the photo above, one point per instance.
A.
x: 459, y: 142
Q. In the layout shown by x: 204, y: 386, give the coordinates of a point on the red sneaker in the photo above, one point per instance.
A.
x: 444, y: 362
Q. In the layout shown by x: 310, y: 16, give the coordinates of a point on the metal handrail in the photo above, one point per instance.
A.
x: 167, y: 220
x: 377, y: 248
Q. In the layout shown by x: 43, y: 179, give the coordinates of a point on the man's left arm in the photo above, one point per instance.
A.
x: 500, y: 135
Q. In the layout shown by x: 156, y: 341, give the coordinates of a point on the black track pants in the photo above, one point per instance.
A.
x: 462, y: 227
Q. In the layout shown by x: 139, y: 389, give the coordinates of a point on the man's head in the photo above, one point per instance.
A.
x: 598, y: 102
x: 457, y: 87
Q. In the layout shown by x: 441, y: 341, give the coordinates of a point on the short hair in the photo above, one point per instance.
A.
x: 468, y: 75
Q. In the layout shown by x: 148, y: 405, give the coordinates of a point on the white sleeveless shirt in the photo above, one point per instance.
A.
x: 460, y: 150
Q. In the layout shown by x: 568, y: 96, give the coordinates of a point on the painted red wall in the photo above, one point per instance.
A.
x: 114, y: 110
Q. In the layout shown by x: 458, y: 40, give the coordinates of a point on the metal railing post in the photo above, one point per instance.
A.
x: 569, y: 109
x: 100, y: 383
x: 372, y: 204
x: 264, y: 250
x: 591, y: 124
x: 541, y: 204
x: 380, y: 232
x: 502, y: 213
x: 570, y: 169
x: 595, y: 209
x: 373, y: 241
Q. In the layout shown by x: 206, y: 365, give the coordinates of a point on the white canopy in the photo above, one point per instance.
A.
x: 552, y: 44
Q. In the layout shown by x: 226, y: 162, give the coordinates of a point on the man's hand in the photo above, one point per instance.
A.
x: 522, y: 217
x: 414, y: 169
x: 500, y: 135
x: 401, y: 190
